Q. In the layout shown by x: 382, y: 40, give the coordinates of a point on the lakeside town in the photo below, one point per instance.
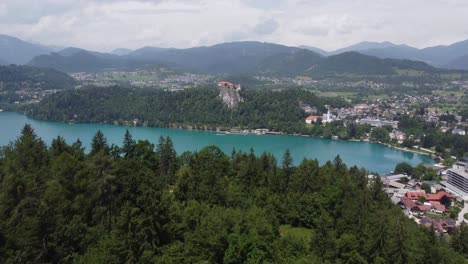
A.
x: 440, y: 205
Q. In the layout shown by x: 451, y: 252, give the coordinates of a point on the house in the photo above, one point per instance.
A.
x: 226, y: 84
x: 458, y: 131
x: 414, y: 207
x: 415, y: 185
x: 312, y: 119
x: 438, y: 208
x: 440, y: 225
x: 395, y: 177
x: 229, y: 85
x: 438, y: 187
x: 397, y: 185
x: 359, y: 108
x: 433, y: 118
x: 378, y: 122
x: 416, y: 194
x: 440, y: 197
x: 397, y: 135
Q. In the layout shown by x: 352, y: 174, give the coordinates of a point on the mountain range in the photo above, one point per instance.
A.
x: 17, y: 51
x: 452, y: 56
x: 250, y: 58
x: 229, y: 58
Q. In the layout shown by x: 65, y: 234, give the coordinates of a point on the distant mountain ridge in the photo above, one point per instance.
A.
x: 230, y: 58
x: 253, y: 58
x: 459, y: 63
x: 224, y: 58
x: 451, y: 56
x: 121, y: 51
x: 17, y: 51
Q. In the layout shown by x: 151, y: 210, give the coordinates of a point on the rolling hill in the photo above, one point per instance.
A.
x: 13, y: 77
x: 79, y: 60
x: 121, y: 51
x: 289, y: 64
x: 442, y: 55
x: 226, y: 58
x: 364, y: 46
x: 439, y: 56
x: 233, y: 58
x: 245, y: 58
x: 348, y: 63
x: 459, y: 63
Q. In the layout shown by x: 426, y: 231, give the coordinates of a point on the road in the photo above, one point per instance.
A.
x: 461, y: 215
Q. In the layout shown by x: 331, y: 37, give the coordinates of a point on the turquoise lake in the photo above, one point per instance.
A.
x: 374, y: 157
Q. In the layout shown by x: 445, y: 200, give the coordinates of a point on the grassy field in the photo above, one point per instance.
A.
x: 410, y: 72
x: 450, y: 93
x: 300, y: 233
x: 337, y: 94
x: 349, y: 95
x: 435, y: 216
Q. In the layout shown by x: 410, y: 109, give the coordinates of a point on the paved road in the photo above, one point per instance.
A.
x: 461, y: 215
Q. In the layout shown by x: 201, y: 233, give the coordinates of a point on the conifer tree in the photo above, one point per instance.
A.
x: 99, y: 144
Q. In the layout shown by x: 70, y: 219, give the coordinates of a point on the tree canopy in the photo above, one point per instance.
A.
x: 142, y: 203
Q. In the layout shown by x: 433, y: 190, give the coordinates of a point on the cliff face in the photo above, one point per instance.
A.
x: 230, y: 96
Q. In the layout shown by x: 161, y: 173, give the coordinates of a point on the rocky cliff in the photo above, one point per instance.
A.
x: 230, y: 96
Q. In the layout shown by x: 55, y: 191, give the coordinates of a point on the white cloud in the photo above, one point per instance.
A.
x: 328, y: 24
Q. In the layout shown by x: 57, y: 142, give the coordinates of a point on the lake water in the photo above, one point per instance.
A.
x: 374, y: 157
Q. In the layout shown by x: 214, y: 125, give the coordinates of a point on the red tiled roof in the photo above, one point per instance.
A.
x: 439, y: 207
x: 414, y: 195
x: 424, y: 207
x: 407, y: 202
x: 313, y: 117
x: 429, y: 197
x: 438, y: 196
x: 225, y: 84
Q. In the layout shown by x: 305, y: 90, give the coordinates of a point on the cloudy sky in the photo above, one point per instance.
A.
x: 327, y: 24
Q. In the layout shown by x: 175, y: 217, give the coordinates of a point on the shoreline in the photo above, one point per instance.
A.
x: 244, y: 132
x: 406, y: 149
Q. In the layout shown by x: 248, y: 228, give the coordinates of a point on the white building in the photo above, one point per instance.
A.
x: 328, y: 118
x: 378, y: 122
x: 457, y: 179
x: 458, y: 131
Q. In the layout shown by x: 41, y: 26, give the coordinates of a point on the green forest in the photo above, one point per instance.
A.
x: 144, y: 203
x: 199, y: 108
x: 15, y: 77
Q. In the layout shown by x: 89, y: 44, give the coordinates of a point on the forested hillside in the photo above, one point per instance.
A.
x: 198, y: 107
x: 232, y: 58
x: 246, y: 58
x: 359, y: 64
x: 144, y: 204
x: 13, y: 77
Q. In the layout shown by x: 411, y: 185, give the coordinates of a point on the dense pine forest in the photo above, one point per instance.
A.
x: 141, y: 203
x: 198, y: 107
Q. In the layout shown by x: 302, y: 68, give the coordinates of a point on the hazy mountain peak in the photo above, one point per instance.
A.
x: 121, y: 51
x: 69, y: 51
x: 16, y: 51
